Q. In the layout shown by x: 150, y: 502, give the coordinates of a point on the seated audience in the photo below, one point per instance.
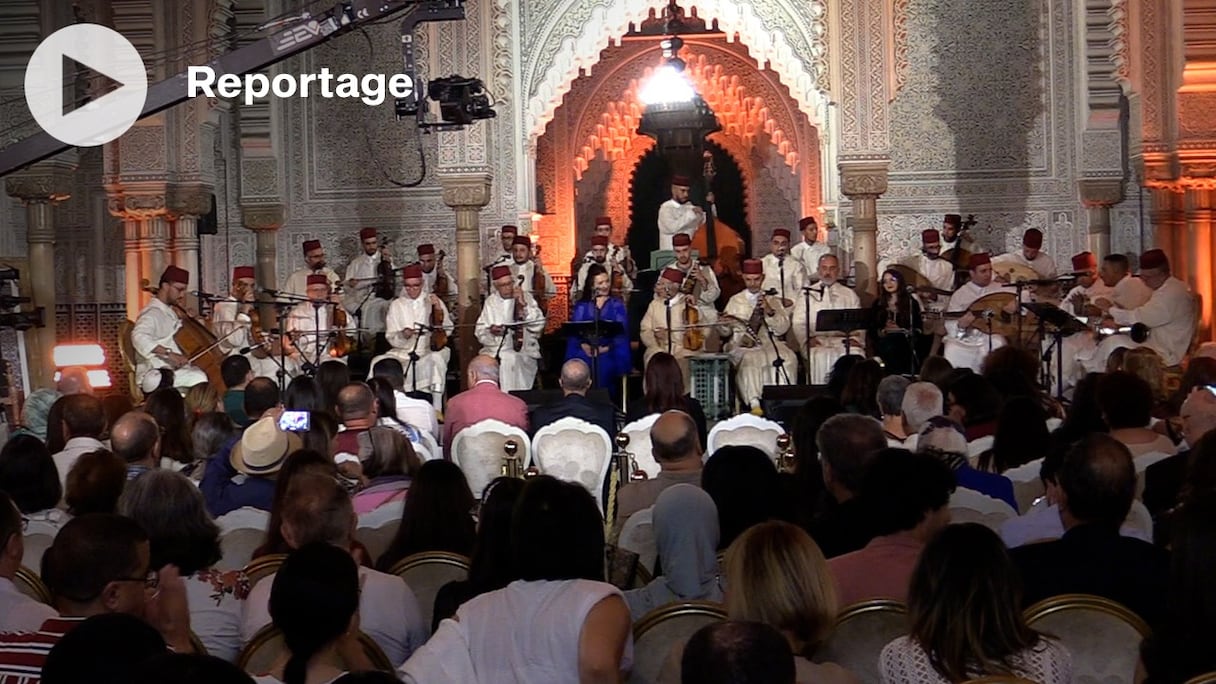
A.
x: 168, y: 407
x: 890, y: 400
x: 677, y: 449
x: 1147, y: 364
x: 297, y: 463
x: 578, y: 626
x: 1097, y: 483
x: 84, y: 422
x: 922, y: 401
x: 744, y: 485
x: 304, y: 394
x: 491, y: 566
x: 74, y: 380
x: 210, y: 433
x: 357, y: 411
x: 936, y: 370
x: 847, y: 444
x: 35, y: 415
x: 838, y: 377
x: 663, y: 390
x: 804, y: 487
x: 95, y: 483
x: 965, y: 618
x: 1127, y: 405
x: 243, y: 474
x: 136, y: 439
x: 389, y: 466
x: 483, y: 399
x: 1163, y: 480
x: 29, y: 476
x: 386, y: 409
x: 18, y: 612
x: 56, y: 434
x: 236, y: 372
x: 1084, y: 414
x: 861, y: 388
x: 318, y: 509
x: 202, y: 398
x: 104, y: 649
x: 438, y: 515
x: 410, y: 410
x: 332, y: 376
x: 686, y: 536
x: 1021, y: 436
x: 943, y: 439
x: 261, y: 397
x: 575, y: 381
x: 737, y: 653
x: 1014, y: 372
x: 180, y: 533
x: 907, y: 496
x: 975, y: 404
x: 188, y: 668
x: 323, y: 428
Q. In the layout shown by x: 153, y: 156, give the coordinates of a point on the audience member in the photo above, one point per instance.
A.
x: 922, y: 401
x: 677, y: 449
x: 663, y: 390
x: 322, y: 430
x: 18, y: 612
x: 115, y: 406
x: 1127, y: 404
x: 84, y: 421
x: 188, y: 668
x: 169, y: 409
x: 936, y: 370
x: 414, y: 411
x: 297, y: 462
x: 1097, y: 482
x: 943, y: 439
x: 318, y: 509
x: 737, y: 653
x: 975, y: 404
x: 210, y: 433
x: 136, y: 439
x: 56, y: 434
x: 847, y: 444
x: 838, y: 377
x: 686, y: 536
x: 357, y: 411
x: 332, y: 376
x: 388, y: 467
x: 1164, y: 479
x: 386, y: 409
x: 180, y: 533
x: 482, y: 400
x: 907, y: 496
x: 236, y: 372
x: 261, y: 398
x: 861, y: 388
x: 744, y: 485
x: 1021, y: 436
x: 1146, y: 364
x: 202, y: 398
x: 438, y: 515
x: 1014, y: 372
x: 804, y: 487
x: 1084, y: 414
x: 1200, y: 372
x: 35, y: 414
x: 103, y: 649
x: 575, y: 381
x: 304, y: 394
x: 965, y: 618
x: 243, y: 473
x: 95, y: 483
x: 890, y: 400
x: 29, y: 476
x: 74, y: 380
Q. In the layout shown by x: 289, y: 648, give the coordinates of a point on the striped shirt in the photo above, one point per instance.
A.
x: 22, y: 654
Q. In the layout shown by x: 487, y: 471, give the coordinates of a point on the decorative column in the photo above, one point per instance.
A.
x: 863, y: 184
x: 186, y: 205
x: 264, y: 220
x: 1098, y: 195
x: 39, y: 188
x: 146, y: 238
x: 1200, y: 201
x: 467, y: 193
x: 1169, y: 224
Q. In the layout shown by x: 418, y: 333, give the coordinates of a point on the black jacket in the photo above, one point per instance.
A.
x: 575, y: 406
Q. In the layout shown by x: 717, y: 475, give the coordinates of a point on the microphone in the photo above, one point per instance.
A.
x: 246, y: 350
x: 910, y: 289
x: 770, y: 292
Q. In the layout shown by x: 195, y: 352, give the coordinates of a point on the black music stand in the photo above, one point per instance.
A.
x: 1062, y: 325
x: 846, y: 321
x: 594, y: 333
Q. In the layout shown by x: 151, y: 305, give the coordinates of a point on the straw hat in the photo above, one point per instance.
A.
x: 263, y: 447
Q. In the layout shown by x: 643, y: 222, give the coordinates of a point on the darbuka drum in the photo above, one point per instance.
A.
x: 711, y: 384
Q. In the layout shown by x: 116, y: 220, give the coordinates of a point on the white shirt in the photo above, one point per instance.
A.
x: 499, y: 311
x: 786, y: 276
x: 1170, y: 314
x: 937, y: 271
x: 231, y: 328
x: 155, y: 326
x: 307, y: 319
x: 362, y: 268
x: 72, y: 451
x: 808, y: 253
x: 417, y: 412
x: 1091, y: 293
x: 1042, y: 264
x: 677, y: 218
x: 20, y: 613
x: 707, y: 289
x: 966, y: 295
x: 1131, y: 293
x: 528, y: 271
x: 741, y: 306
x: 428, y: 283
x: 406, y: 314
x: 297, y: 282
x: 388, y: 613
x: 822, y: 298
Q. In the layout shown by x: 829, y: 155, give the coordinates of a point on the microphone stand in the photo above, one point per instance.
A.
x: 281, y: 311
x: 778, y: 362
x: 358, y: 313
x: 413, y: 360
x: 667, y: 306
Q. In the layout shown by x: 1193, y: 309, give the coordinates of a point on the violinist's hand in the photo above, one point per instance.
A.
x: 408, y: 333
x: 497, y: 330
x: 176, y: 360
x: 690, y: 300
x: 435, y: 301
x: 335, y: 298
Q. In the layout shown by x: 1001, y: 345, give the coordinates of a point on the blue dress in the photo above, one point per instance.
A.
x: 617, y: 360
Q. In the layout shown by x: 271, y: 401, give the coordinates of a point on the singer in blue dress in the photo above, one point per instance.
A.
x: 613, y: 353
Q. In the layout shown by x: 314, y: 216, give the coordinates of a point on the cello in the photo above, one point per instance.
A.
x: 198, y: 344
x: 713, y: 236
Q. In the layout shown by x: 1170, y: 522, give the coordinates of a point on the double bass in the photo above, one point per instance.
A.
x: 714, y: 237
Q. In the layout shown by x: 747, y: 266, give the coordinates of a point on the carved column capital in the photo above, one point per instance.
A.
x: 189, y: 200
x: 863, y: 180
x: 465, y: 190
x: 45, y: 182
x: 263, y: 217
x: 136, y: 206
x: 1100, y: 192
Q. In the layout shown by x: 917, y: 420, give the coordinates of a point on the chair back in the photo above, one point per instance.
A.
x: 263, y: 566
x: 266, y: 648
x: 1102, y: 635
x: 968, y: 505
x: 1205, y: 678
x: 978, y: 446
x: 744, y: 429
x: 126, y: 352
x: 429, y: 450
x: 478, y: 450
x: 574, y: 450
x: 637, y: 535
x: 1027, y: 485
x: 237, y: 547
x: 377, y: 539
x: 639, y: 444
x: 36, y: 544
x: 29, y: 583
x: 656, y: 632
x: 425, y: 573
x: 862, y: 630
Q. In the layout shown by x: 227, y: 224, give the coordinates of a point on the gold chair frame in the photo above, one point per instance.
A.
x: 263, y: 566
x: 29, y: 583
x: 430, y: 558
x: 681, y: 609
x: 1056, y: 604
x: 264, y: 635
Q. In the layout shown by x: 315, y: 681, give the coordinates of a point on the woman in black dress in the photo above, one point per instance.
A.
x: 897, y: 327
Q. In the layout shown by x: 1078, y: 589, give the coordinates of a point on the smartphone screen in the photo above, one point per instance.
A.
x: 295, y: 421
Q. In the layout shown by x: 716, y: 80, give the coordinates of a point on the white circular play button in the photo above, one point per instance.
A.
x: 103, y: 50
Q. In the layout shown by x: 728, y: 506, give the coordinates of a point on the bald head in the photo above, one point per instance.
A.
x: 576, y: 377
x: 74, y: 380
x: 356, y: 402
x: 1198, y: 414
x: 673, y: 438
x: 483, y: 367
x: 922, y: 401
x: 1099, y: 480
x: 135, y: 437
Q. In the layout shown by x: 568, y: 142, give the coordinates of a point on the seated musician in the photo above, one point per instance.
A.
x: 782, y: 272
x: 155, y: 327
x: 526, y: 270
x: 598, y: 256
x: 315, y: 327
x: 232, y: 322
x: 663, y: 327
x: 314, y: 263
x: 609, y: 358
x: 896, y: 326
x: 361, y: 277
x: 1030, y: 256
x: 510, y: 303
x: 930, y: 264
x: 1169, y: 314
x: 429, y: 261
x: 704, y: 282
x: 821, y: 349
x: 617, y: 260
x: 966, y: 342
x: 755, y: 320
x: 408, y: 330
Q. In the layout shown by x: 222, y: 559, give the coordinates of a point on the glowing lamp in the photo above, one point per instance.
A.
x: 89, y: 356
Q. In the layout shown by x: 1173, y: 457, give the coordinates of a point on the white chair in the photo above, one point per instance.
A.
x: 968, y: 505
x: 1103, y: 636
x: 744, y: 429
x: 657, y: 632
x: 639, y: 444
x: 574, y: 450
x: 237, y: 546
x: 1139, y: 519
x: 978, y: 446
x: 38, y: 536
x: 862, y: 630
x: 637, y: 535
x: 1027, y: 485
x: 429, y: 449
x: 478, y: 450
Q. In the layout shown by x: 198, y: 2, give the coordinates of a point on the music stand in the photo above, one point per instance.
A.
x: 846, y: 321
x: 1063, y: 324
x: 594, y: 333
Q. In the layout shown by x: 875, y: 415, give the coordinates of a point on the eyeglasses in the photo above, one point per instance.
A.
x: 151, y: 580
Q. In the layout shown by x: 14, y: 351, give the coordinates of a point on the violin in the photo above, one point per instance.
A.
x: 257, y: 336
x: 439, y: 336
x: 442, y: 286
x: 521, y: 312
x: 342, y: 344
x: 694, y: 337
x: 538, y: 285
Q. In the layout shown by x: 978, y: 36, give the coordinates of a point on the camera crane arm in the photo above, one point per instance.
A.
x: 287, y: 41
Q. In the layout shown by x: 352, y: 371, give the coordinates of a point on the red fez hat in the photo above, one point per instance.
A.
x: 521, y: 240
x: 367, y: 233
x: 680, y: 180
x: 411, y: 271
x: 318, y: 279
x: 428, y: 248
x: 508, y: 229
x: 1085, y: 261
x: 1033, y: 238
x: 979, y: 259
x: 500, y: 272
x: 953, y: 219
x: 603, y: 220
x: 173, y: 274
x: 1154, y: 258
x: 930, y: 237
x: 675, y: 275
x: 753, y: 266
x: 242, y: 272
x: 807, y: 221
x: 781, y: 232
x: 599, y: 241
x: 681, y: 240
x: 311, y: 245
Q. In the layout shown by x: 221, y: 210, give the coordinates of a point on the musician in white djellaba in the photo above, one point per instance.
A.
x: 755, y: 321
x: 429, y: 261
x: 705, y: 285
x: 312, y: 329
x: 314, y: 262
x: 232, y: 324
x: 929, y: 263
x: 663, y: 327
x: 496, y: 332
x: 808, y: 251
x: 821, y: 349
x: 678, y: 214
x: 360, y: 280
x: 1169, y: 315
x: 409, y: 331
x: 1031, y: 256
x: 965, y: 345
x: 152, y: 335
x: 782, y: 272
x: 601, y: 250
x: 524, y: 267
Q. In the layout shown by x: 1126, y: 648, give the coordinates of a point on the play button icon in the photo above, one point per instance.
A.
x: 102, y: 50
